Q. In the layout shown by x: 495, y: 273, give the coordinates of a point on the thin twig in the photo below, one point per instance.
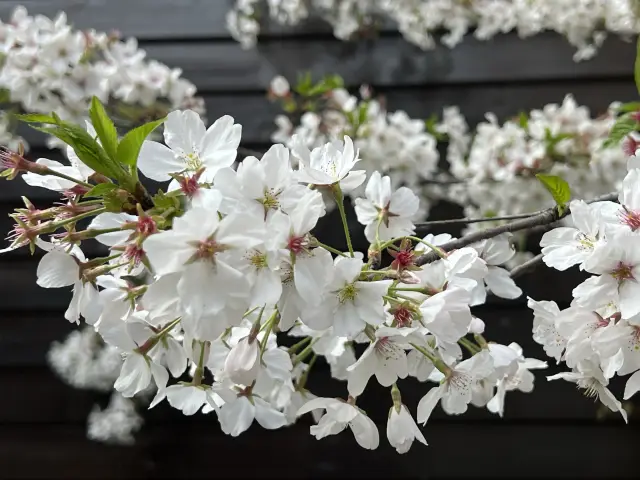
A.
x: 442, y: 182
x: 475, y: 220
x: 550, y: 215
x: 526, y: 266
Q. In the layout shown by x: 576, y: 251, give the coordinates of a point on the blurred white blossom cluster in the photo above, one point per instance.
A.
x: 585, y: 23
x: 218, y: 296
x: 490, y: 170
x: 563, y: 140
x: 389, y: 142
x: 46, y: 65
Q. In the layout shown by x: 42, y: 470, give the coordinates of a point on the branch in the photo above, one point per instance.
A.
x: 545, y: 217
x: 526, y: 266
x: 476, y: 220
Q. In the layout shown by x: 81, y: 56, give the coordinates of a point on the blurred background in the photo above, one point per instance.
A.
x: 554, y: 431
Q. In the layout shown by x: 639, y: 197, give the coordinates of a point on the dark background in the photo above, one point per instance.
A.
x: 553, y: 431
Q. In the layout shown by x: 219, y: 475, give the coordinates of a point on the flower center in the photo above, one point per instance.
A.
x: 330, y: 168
x: 146, y: 226
x: 296, y: 244
x: 206, y: 250
x: 630, y: 218
x: 586, y: 242
x: 589, y: 386
x: 192, y: 161
x: 189, y: 185
x: 623, y: 272
x: 348, y: 293
x: 634, y: 341
x: 386, y: 348
x: 460, y: 381
x: 134, y: 253
x: 258, y: 260
x: 403, y: 316
x: 270, y: 199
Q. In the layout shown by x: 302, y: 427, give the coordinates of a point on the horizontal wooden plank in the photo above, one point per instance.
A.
x: 62, y: 451
x: 392, y: 62
x: 550, y: 401
x: 256, y: 113
x: 25, y: 339
x: 171, y: 18
x: 496, y: 451
x: 20, y: 292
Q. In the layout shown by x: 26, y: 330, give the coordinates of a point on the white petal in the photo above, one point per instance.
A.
x: 632, y: 386
x: 237, y: 416
x: 267, y: 416
x: 501, y: 284
x: 404, y: 202
x: 57, y: 269
x: 365, y: 432
x: 428, y: 403
x: 156, y: 161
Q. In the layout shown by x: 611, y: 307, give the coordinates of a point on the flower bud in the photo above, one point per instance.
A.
x: 242, y: 363
x: 477, y: 326
x: 279, y: 86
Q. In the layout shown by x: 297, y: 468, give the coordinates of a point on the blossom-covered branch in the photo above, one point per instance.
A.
x: 547, y: 217
x: 491, y: 170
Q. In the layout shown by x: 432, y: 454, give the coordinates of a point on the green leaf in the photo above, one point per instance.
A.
x: 131, y: 143
x: 5, y: 95
x: 629, y: 107
x: 105, y: 128
x: 37, y: 118
x: 86, y: 148
x: 523, y: 120
x: 164, y: 201
x: 304, y: 83
x: 101, y: 190
x: 636, y: 69
x: 558, y: 188
x: 362, y: 113
x: 623, y: 127
x: 117, y: 200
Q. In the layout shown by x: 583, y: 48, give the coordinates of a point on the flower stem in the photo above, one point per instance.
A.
x: 409, y: 289
x: 197, y: 375
x: 439, y: 364
x: 305, y: 375
x: 91, y: 213
x: 53, y: 173
x: 472, y: 348
x: 330, y: 249
x: 297, y: 346
x: 268, y: 328
x: 481, y: 340
x: 304, y: 353
x: 337, y: 194
x: 437, y: 250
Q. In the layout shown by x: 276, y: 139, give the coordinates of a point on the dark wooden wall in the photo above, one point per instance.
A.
x: 551, y: 432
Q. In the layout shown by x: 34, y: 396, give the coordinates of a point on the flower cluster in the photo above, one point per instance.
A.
x: 563, y: 140
x: 199, y: 281
x: 584, y: 23
x: 598, y: 336
x: 46, y: 65
x: 389, y: 142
